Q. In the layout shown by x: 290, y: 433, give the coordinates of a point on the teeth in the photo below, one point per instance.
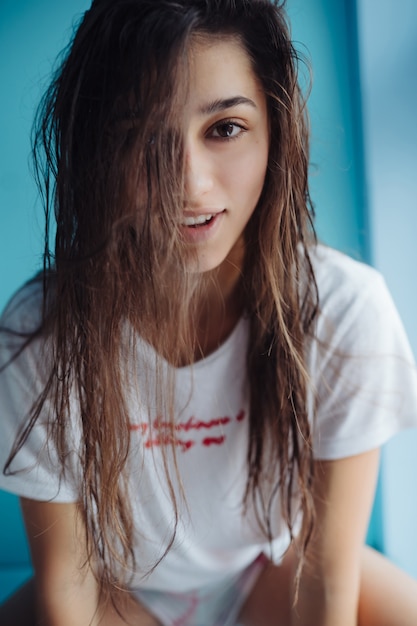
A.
x: 197, y: 220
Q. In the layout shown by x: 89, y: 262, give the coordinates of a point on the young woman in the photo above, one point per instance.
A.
x: 194, y: 392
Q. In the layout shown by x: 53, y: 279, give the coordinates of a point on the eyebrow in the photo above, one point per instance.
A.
x: 227, y: 103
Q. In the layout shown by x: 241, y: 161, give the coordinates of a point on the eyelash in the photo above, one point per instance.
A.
x: 224, y: 123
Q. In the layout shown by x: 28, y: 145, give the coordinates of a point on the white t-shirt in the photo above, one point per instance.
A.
x: 363, y: 387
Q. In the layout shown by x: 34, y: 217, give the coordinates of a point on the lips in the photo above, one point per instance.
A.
x: 197, y: 220
x: 200, y: 227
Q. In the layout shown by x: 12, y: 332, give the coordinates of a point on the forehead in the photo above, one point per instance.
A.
x: 221, y: 68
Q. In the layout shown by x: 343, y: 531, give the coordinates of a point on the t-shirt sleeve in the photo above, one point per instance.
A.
x: 36, y: 470
x: 363, y: 376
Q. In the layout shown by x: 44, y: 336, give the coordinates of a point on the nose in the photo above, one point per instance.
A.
x: 198, y: 172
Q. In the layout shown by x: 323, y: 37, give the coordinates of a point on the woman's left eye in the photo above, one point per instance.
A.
x: 226, y: 130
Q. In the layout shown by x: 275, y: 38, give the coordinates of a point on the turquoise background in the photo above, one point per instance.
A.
x: 388, y: 62
x: 33, y: 32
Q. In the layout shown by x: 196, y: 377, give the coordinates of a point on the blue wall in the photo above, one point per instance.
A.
x: 326, y: 31
x: 388, y: 52
x: 32, y: 32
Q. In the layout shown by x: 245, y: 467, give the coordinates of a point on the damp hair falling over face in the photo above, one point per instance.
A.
x: 109, y: 156
x: 113, y: 138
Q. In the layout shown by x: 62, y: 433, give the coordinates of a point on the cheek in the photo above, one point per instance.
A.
x: 250, y: 172
x: 244, y: 174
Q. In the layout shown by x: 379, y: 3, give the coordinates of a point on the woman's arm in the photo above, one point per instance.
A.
x: 329, y: 586
x: 66, y: 592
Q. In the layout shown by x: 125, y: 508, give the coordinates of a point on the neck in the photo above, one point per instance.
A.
x: 220, y: 305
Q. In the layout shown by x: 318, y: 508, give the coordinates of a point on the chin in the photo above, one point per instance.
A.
x: 204, y: 265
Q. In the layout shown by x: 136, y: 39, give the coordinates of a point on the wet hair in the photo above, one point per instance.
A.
x: 109, y: 156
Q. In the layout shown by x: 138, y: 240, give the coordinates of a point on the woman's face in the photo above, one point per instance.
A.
x: 227, y: 142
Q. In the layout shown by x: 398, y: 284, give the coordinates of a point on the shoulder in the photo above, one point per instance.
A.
x: 342, y: 280
x: 354, y: 301
x: 24, y: 311
x: 23, y: 340
x: 363, y: 379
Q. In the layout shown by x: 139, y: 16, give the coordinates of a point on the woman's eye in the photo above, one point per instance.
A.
x: 226, y: 130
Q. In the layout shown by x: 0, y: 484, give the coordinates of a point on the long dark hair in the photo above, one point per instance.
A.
x: 109, y: 156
